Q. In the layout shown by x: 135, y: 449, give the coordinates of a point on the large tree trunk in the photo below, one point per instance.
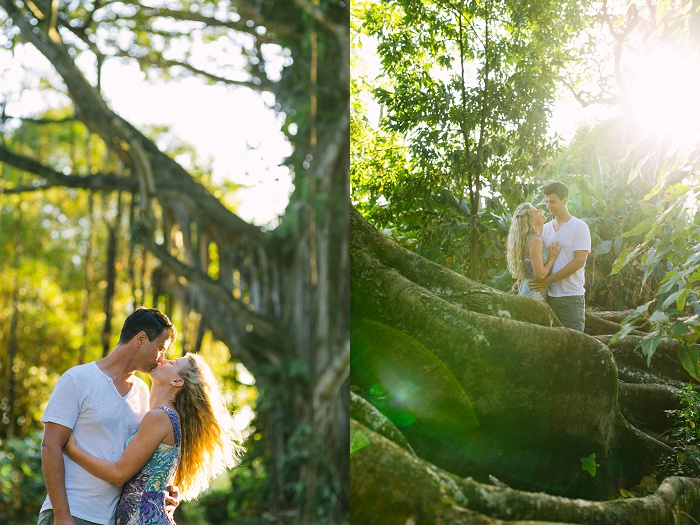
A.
x: 485, y: 384
x: 280, y: 300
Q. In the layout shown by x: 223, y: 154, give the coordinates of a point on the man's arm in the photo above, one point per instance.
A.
x: 55, y: 436
x: 579, y: 262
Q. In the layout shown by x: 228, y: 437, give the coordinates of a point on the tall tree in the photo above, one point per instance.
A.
x: 279, y: 300
x: 472, y: 105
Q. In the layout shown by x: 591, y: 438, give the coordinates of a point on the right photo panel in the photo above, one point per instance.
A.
x: 525, y: 262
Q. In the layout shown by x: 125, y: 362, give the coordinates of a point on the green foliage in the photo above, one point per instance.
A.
x: 21, y: 480
x: 467, y: 90
x: 670, y: 247
x: 685, y: 436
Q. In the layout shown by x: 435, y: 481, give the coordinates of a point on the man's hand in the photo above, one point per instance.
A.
x: 172, y: 500
x: 538, y: 286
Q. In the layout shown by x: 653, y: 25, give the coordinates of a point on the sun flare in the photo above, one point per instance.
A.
x: 663, y: 96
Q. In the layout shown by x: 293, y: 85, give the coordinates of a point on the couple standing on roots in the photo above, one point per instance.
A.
x: 103, y: 429
x: 548, y: 260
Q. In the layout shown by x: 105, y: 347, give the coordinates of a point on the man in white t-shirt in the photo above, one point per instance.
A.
x: 102, y: 403
x: 566, y: 292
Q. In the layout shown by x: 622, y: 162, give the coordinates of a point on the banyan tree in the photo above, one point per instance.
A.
x: 471, y: 405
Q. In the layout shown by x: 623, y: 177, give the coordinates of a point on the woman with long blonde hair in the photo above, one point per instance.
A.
x: 528, y: 258
x: 186, y: 439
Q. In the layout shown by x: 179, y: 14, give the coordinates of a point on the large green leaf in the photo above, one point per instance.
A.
x: 690, y: 359
x: 649, y: 344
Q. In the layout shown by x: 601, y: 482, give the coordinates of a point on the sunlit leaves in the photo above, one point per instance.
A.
x: 672, y: 244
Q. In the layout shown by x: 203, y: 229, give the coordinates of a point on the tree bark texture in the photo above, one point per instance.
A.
x: 391, y: 486
x: 478, y: 384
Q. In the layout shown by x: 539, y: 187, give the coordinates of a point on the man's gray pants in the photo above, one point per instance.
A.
x: 570, y: 310
x: 46, y: 518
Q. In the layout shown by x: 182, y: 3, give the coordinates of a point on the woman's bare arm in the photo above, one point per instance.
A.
x: 152, y: 431
x: 534, y: 248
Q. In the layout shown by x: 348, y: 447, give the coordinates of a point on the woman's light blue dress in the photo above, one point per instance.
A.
x: 524, y: 288
x: 143, y: 498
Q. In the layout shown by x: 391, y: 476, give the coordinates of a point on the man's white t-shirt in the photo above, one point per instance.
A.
x: 572, y: 236
x: 86, y: 400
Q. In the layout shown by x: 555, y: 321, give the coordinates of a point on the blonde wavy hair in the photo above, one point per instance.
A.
x: 521, y: 226
x: 210, y: 443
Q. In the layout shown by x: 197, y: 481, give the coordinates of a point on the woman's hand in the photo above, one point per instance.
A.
x: 554, y: 250
x: 70, y: 447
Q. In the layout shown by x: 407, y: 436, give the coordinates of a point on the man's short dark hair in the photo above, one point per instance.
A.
x: 149, y: 320
x: 557, y: 188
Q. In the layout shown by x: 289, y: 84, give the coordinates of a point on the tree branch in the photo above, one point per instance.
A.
x: 239, y: 26
x: 42, y: 121
x: 248, y: 324
x: 99, y: 182
x: 162, y: 63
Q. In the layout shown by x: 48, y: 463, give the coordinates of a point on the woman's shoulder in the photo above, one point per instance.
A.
x: 168, y: 419
x: 533, y: 237
x: 156, y: 416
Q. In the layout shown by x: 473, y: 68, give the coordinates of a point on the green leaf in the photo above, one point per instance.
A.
x: 638, y: 312
x: 624, y: 258
x: 649, y: 209
x: 626, y: 493
x: 672, y: 298
x: 669, y: 275
x: 603, y: 248
x: 358, y: 441
x: 623, y: 332
x: 675, y: 192
x: 640, y: 228
x: 589, y: 465
x: 689, y: 357
x: 680, y: 302
x: 659, y: 316
x: 649, y: 345
x: 652, y: 232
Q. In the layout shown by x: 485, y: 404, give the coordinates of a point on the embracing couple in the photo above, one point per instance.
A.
x: 104, y: 430
x: 548, y: 260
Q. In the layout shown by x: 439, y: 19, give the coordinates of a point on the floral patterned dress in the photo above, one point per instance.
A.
x: 523, y: 287
x: 143, y: 498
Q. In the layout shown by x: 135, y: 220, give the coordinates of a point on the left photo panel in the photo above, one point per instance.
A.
x: 174, y: 295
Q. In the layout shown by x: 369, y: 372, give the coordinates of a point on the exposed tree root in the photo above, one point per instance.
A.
x: 391, y: 486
